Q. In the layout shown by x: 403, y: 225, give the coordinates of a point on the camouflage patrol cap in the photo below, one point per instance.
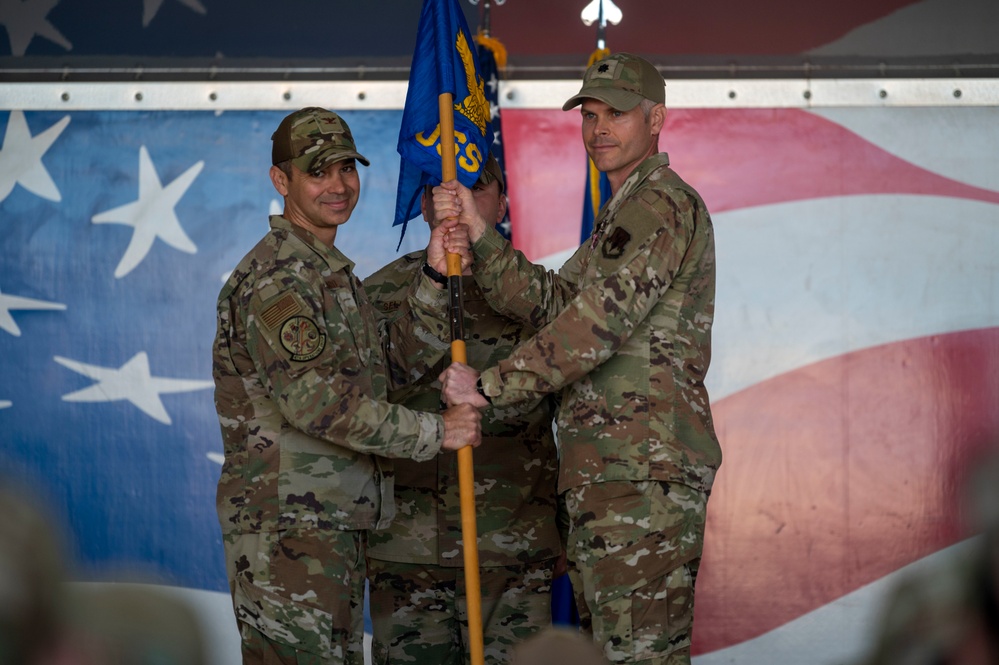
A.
x: 622, y: 80
x: 313, y: 138
x: 492, y: 172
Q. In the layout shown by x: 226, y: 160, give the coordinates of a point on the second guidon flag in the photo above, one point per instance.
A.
x: 492, y: 59
x: 444, y: 61
x: 595, y: 195
x: 597, y: 191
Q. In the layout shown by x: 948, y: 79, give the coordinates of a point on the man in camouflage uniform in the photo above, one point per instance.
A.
x: 302, y: 366
x: 626, y: 339
x: 416, y: 581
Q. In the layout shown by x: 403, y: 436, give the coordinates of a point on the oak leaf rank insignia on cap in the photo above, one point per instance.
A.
x: 621, y: 80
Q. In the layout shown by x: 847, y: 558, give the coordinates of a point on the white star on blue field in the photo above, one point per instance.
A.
x: 152, y: 214
x: 9, y: 302
x: 21, y: 158
x: 24, y: 20
x: 131, y: 382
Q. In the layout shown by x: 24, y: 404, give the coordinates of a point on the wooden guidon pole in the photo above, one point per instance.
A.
x: 466, y: 476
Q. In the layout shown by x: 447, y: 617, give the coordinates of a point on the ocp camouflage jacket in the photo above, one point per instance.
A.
x: 625, y: 335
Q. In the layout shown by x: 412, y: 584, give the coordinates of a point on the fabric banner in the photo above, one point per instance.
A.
x: 444, y: 62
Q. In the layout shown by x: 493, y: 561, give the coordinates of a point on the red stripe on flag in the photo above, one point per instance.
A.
x: 839, y: 473
x: 734, y: 158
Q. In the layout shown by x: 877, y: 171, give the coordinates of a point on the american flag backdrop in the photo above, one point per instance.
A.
x: 856, y: 345
x: 855, y: 372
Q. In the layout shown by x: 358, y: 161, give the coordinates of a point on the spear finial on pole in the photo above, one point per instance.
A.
x: 601, y: 12
x: 486, y: 14
x: 484, y: 25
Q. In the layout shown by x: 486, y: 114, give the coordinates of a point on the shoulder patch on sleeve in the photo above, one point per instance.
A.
x: 285, y: 307
x: 302, y: 338
x: 614, y: 245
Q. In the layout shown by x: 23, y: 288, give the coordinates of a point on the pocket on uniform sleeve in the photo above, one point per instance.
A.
x: 283, y: 620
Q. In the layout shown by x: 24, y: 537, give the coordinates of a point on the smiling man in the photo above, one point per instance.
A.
x: 625, y: 339
x: 302, y: 365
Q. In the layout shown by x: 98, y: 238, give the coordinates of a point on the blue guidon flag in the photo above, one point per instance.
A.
x: 444, y: 61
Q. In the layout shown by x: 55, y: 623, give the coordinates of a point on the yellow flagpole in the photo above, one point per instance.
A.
x: 466, y: 476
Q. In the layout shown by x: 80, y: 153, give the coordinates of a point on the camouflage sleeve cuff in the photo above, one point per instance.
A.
x: 489, y: 244
x: 432, y: 298
x: 431, y: 437
x: 435, y: 327
x: 492, y: 386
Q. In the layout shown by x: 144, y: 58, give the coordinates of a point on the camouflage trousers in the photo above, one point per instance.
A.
x: 634, y: 549
x: 299, y: 596
x: 419, y: 613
